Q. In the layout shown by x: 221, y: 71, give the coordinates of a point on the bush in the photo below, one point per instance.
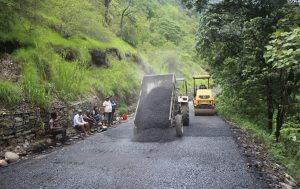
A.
x: 68, y: 79
x: 34, y: 90
x: 122, y: 108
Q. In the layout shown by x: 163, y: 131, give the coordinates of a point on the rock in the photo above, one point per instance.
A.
x: 18, y: 119
x: 3, y: 163
x: 274, y: 178
x: 285, y: 186
x: 26, y: 144
x: 248, y: 165
x: 58, y: 144
x: 289, y: 177
x: 289, y: 180
x: 21, y: 152
x: 11, y: 156
x: 37, y: 147
x: 256, y: 164
x: 49, y: 141
x: 67, y: 143
x: 277, y: 166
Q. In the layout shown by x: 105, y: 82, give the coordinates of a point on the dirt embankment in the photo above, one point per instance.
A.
x: 259, y: 162
x: 10, y: 70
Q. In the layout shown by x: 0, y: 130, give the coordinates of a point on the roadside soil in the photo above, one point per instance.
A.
x: 10, y: 69
x: 259, y: 162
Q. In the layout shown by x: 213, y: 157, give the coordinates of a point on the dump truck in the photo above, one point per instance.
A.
x: 158, y: 106
x: 204, y: 101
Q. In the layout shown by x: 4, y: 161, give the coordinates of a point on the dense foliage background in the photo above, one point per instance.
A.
x: 253, y: 51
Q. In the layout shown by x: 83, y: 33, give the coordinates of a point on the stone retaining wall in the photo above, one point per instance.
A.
x: 17, y: 127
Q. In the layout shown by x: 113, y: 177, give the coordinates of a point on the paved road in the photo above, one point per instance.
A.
x: 206, y: 157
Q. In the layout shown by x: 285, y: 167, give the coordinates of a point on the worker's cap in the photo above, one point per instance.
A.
x: 79, y: 110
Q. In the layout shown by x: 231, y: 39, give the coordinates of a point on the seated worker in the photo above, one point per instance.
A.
x: 124, y: 117
x: 88, y: 118
x: 79, y: 123
x: 55, y: 129
x: 96, y: 115
x: 99, y: 119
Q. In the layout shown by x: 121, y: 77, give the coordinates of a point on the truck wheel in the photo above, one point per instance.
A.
x: 185, y: 114
x: 178, y: 125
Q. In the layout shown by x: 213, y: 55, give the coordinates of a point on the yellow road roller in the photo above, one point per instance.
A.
x: 204, y: 101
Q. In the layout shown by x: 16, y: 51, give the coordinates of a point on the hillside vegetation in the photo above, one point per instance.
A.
x: 253, y: 51
x: 71, y: 49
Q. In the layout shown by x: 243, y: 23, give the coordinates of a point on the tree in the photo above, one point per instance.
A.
x: 283, y: 53
x: 106, y: 14
x: 125, y: 12
x: 232, y: 38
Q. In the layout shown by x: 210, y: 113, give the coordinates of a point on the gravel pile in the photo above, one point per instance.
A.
x: 154, y: 105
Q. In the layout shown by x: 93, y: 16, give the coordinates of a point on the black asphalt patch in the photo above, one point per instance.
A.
x: 206, y: 156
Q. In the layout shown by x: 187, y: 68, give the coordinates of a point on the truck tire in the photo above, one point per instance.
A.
x: 185, y: 114
x: 178, y: 125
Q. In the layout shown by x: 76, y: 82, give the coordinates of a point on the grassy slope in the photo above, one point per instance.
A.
x: 282, y: 152
x: 44, y: 28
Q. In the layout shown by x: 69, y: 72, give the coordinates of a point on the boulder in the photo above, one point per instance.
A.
x: 49, y: 141
x: 11, y: 156
x: 3, y: 163
x: 285, y: 186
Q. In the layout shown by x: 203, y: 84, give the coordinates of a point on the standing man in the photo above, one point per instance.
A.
x: 79, y: 123
x: 107, y: 111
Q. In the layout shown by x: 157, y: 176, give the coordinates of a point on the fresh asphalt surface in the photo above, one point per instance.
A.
x: 205, y: 157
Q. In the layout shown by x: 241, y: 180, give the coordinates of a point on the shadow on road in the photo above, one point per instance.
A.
x: 156, y: 135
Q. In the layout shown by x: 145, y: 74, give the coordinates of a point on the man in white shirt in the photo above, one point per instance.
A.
x: 79, y: 123
x: 107, y: 111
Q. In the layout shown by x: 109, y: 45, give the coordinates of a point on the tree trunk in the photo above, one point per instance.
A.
x: 122, y: 18
x: 121, y: 25
x: 106, y: 13
x: 282, y: 105
x: 270, y: 106
x: 279, y: 120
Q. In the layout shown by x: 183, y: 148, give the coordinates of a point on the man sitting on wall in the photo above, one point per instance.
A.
x: 54, y: 127
x: 80, y: 124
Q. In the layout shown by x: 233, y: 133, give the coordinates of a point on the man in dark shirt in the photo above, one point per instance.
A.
x: 55, y: 129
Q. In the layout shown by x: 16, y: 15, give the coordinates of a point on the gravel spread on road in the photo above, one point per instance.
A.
x: 206, y: 156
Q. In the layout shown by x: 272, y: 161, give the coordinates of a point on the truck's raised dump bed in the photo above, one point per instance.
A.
x: 155, y: 102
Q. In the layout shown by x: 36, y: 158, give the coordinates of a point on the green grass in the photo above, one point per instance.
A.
x: 34, y: 90
x: 278, y: 151
x: 9, y: 93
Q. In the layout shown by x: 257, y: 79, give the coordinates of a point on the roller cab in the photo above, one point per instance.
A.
x: 204, y: 101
